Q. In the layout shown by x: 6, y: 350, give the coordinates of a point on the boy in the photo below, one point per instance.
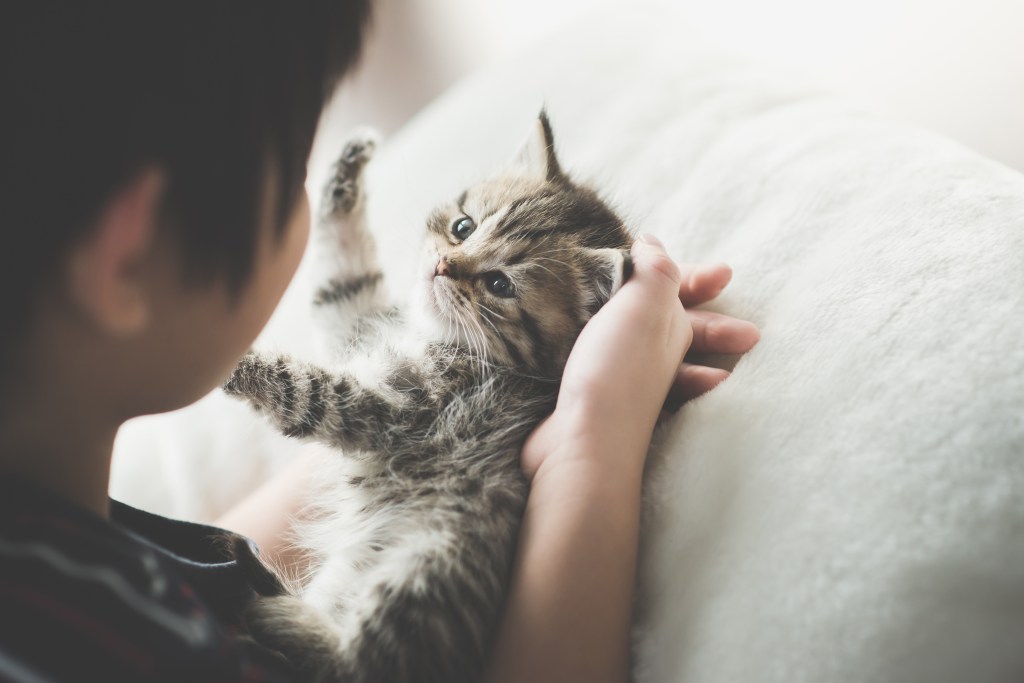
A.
x: 153, y: 213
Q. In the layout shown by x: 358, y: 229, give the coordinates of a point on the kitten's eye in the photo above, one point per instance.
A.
x: 463, y: 227
x: 499, y: 285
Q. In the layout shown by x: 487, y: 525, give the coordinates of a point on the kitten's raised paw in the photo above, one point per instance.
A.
x: 344, y: 190
x: 249, y: 378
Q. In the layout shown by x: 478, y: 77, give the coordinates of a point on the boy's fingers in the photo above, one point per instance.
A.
x: 717, y: 333
x: 649, y: 300
x: 697, y: 283
x: 701, y: 283
x: 691, y: 381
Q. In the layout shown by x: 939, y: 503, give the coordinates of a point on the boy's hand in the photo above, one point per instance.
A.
x: 628, y: 359
x: 571, y: 596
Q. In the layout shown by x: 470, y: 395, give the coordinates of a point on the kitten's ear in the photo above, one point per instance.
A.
x: 607, y: 270
x: 537, y: 155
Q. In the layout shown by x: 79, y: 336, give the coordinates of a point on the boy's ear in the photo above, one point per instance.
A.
x: 537, y: 154
x: 105, y: 269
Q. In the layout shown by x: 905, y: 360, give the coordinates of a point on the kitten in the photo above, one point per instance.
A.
x: 431, y: 408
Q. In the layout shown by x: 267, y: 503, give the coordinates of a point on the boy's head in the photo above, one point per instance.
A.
x: 153, y: 162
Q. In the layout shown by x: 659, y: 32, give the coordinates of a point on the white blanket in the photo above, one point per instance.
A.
x: 849, y: 505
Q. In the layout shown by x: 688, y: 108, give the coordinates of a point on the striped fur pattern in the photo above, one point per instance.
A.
x: 429, y: 405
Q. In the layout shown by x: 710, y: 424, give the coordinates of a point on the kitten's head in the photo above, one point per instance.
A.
x: 515, y: 266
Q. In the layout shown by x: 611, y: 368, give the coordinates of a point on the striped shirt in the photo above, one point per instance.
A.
x: 137, y: 597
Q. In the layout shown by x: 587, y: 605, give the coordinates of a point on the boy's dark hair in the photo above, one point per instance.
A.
x: 216, y: 93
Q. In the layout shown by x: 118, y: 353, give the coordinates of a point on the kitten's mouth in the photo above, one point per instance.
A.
x: 438, y: 294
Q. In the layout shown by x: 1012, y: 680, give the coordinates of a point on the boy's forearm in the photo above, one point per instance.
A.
x: 569, y: 606
x: 269, y: 513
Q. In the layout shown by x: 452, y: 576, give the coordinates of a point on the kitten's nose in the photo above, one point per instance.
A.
x: 444, y: 268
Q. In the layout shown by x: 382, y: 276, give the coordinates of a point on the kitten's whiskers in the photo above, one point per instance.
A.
x: 492, y: 312
x: 485, y: 365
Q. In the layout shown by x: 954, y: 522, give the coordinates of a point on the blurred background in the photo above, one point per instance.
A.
x: 953, y: 66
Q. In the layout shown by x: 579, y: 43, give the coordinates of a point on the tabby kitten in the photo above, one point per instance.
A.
x: 430, y: 407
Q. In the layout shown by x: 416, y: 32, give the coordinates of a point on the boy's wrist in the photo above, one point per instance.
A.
x: 589, y: 468
x: 587, y: 443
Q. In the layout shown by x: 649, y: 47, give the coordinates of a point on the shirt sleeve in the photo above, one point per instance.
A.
x: 82, y: 599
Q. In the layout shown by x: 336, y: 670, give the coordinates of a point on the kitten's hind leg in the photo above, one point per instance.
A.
x: 400, y: 632
x: 423, y: 617
x: 306, y: 637
x: 351, y: 281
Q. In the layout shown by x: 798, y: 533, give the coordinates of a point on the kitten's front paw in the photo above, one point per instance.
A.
x: 249, y: 378
x: 344, y: 191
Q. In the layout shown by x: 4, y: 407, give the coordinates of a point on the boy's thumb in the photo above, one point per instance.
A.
x: 649, y: 256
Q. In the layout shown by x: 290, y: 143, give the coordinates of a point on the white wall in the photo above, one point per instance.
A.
x: 956, y: 66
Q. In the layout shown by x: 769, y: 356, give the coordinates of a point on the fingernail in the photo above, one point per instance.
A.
x: 648, y: 238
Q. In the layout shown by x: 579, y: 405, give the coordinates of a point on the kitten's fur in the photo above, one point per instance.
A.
x: 414, y: 549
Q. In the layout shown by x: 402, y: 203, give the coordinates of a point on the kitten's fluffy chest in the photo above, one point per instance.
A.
x: 457, y: 410
x: 453, y: 474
